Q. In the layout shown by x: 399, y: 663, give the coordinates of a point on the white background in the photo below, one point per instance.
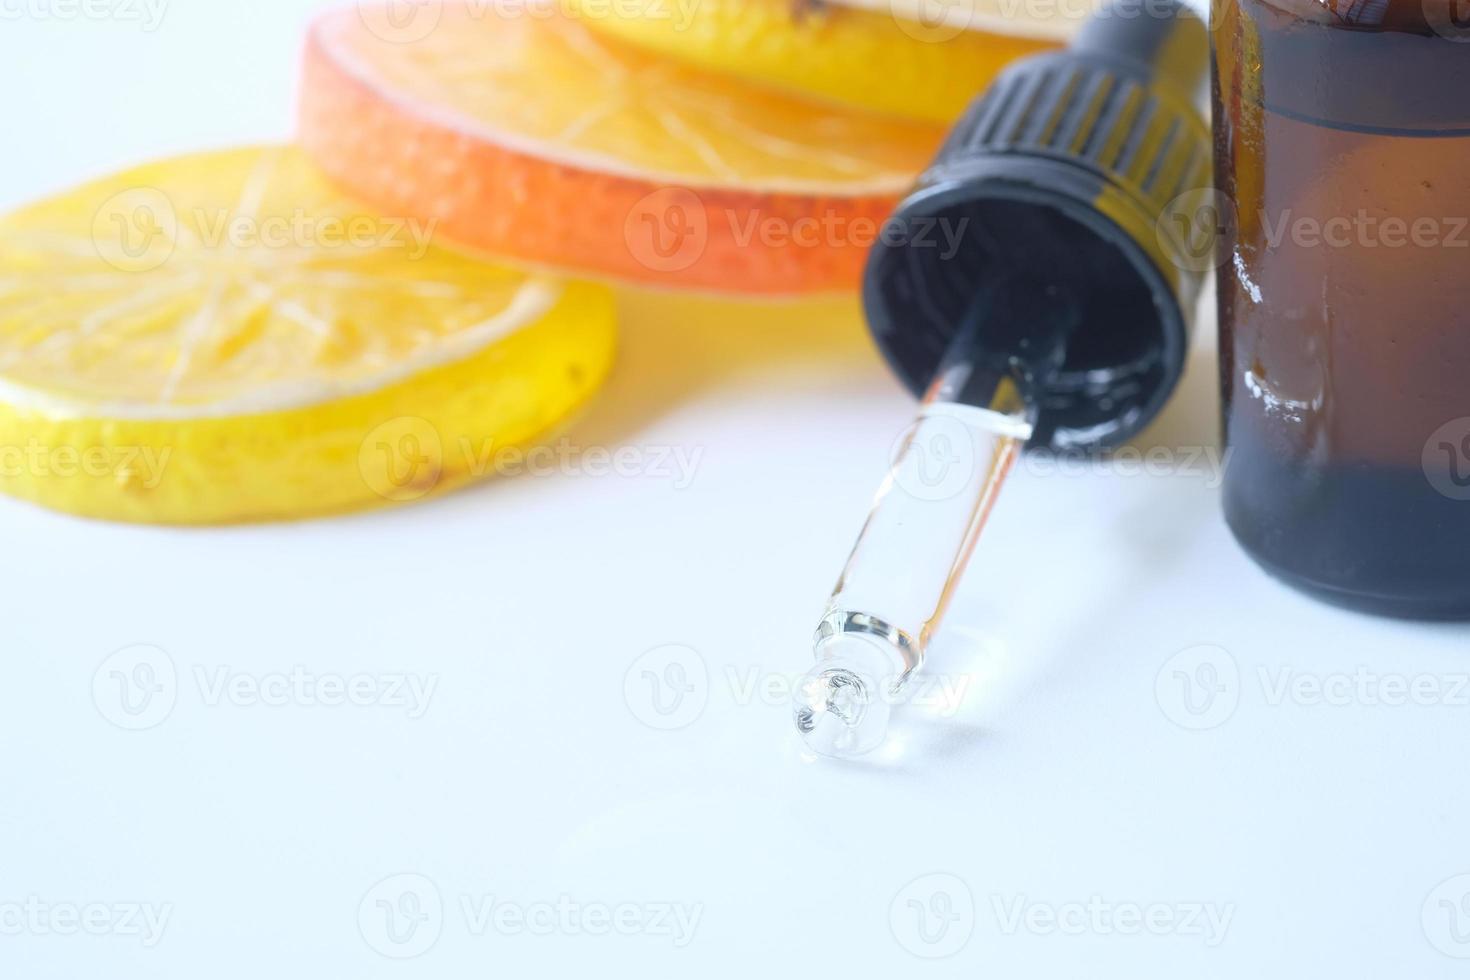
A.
x: 1330, y: 834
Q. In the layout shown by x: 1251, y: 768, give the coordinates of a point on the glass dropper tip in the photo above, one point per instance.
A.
x: 842, y: 706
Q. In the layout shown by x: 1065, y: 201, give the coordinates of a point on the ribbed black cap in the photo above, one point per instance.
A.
x: 1064, y: 173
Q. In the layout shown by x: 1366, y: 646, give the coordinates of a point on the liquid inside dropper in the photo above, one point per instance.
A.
x: 980, y: 412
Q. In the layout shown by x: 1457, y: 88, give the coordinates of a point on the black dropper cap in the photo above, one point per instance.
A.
x: 1062, y: 175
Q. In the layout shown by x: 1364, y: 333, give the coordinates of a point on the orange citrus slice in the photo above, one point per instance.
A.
x: 223, y: 337
x: 530, y: 137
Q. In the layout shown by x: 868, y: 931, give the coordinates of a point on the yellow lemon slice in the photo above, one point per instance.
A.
x: 223, y: 337
x: 904, y: 60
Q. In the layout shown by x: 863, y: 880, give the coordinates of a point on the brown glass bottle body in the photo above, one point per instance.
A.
x: 1343, y: 166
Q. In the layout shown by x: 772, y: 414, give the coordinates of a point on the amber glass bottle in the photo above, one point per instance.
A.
x: 1343, y: 163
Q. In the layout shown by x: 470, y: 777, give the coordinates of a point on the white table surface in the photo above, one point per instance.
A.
x: 1269, y: 831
